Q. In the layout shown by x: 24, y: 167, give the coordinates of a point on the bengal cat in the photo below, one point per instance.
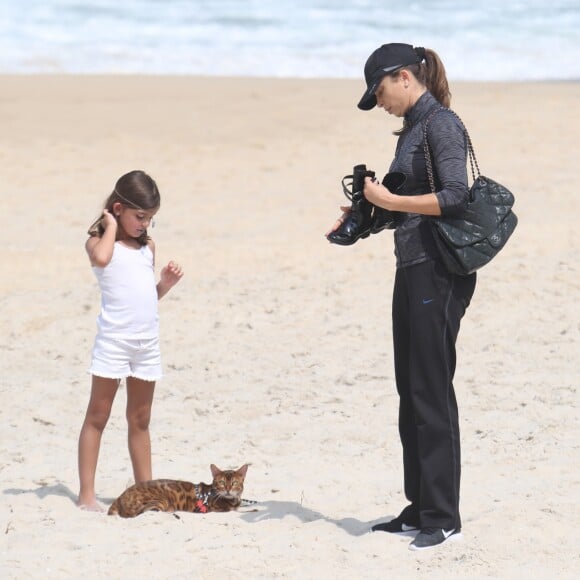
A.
x: 170, y: 495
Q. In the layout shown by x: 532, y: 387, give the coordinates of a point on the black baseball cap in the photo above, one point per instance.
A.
x: 383, y: 61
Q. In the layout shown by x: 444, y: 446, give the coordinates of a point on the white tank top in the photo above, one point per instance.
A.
x: 128, y: 294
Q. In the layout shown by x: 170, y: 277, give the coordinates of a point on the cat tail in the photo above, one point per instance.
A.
x: 114, y: 509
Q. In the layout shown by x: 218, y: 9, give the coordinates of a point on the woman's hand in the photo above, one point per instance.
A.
x: 345, y: 211
x: 378, y: 194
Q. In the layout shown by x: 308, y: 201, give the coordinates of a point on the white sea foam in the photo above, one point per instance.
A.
x: 478, y: 40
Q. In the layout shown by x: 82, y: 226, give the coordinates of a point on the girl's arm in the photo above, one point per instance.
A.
x: 170, y: 275
x: 100, y: 249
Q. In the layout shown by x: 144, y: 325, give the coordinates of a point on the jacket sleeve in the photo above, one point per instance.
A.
x: 448, y: 148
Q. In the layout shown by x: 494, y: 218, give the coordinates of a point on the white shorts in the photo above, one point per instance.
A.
x: 115, y: 358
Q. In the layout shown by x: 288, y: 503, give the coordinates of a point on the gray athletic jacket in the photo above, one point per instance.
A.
x: 413, y: 239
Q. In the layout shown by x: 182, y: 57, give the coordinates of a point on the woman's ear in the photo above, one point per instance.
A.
x: 117, y: 208
x: 405, y: 76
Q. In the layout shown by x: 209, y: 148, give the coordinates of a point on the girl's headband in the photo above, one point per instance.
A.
x: 127, y: 200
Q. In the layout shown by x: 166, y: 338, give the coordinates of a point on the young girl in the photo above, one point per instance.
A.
x: 122, y: 256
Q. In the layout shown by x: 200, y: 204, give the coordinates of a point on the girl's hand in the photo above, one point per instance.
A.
x: 100, y: 248
x: 171, y: 275
x: 108, y: 220
x: 345, y: 211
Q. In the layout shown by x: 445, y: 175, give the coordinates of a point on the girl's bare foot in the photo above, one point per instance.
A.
x: 90, y: 506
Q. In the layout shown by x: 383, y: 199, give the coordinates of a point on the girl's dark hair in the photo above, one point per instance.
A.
x: 431, y: 73
x: 134, y: 189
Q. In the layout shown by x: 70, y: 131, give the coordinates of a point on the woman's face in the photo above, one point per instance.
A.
x: 392, y: 95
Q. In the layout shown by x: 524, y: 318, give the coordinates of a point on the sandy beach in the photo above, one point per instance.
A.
x: 276, y: 344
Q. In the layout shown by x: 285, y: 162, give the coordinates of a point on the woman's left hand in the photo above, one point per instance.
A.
x: 377, y: 194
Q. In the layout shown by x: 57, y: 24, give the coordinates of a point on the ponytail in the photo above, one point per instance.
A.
x: 431, y: 73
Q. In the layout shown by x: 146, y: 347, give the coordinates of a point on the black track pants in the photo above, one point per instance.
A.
x: 428, y: 304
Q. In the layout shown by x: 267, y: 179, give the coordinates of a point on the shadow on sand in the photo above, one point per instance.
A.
x: 278, y: 510
x: 58, y: 489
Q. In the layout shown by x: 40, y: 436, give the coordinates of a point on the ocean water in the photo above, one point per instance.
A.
x: 477, y: 39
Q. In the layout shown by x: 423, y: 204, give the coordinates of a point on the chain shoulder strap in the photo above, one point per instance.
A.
x: 428, y: 161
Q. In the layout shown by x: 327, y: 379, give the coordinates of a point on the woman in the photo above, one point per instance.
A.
x: 428, y: 301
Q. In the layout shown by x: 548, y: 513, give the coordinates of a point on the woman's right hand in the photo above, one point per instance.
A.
x: 345, y: 211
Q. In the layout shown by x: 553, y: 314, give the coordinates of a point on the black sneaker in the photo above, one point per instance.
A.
x: 432, y: 537
x: 396, y: 526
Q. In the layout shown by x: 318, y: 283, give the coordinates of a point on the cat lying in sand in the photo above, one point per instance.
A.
x: 170, y: 495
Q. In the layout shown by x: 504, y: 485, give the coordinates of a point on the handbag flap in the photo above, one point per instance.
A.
x: 495, y: 193
x: 488, y: 207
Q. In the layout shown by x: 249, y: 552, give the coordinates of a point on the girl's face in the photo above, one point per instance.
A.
x: 134, y: 221
x: 392, y: 95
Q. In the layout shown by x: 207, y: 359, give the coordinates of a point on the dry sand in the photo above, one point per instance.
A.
x: 277, y: 344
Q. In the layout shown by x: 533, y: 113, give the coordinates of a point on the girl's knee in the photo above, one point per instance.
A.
x: 139, y: 419
x: 97, y: 419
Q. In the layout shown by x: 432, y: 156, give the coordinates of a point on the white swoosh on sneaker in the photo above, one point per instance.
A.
x: 406, y: 528
x: 446, y: 534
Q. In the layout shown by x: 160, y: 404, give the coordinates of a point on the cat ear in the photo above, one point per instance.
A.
x: 242, y: 470
x: 215, y: 470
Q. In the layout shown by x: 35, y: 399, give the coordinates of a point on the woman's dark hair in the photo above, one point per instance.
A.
x: 134, y: 189
x: 430, y: 73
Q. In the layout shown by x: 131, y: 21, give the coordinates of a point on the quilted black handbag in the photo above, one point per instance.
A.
x: 468, y: 242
